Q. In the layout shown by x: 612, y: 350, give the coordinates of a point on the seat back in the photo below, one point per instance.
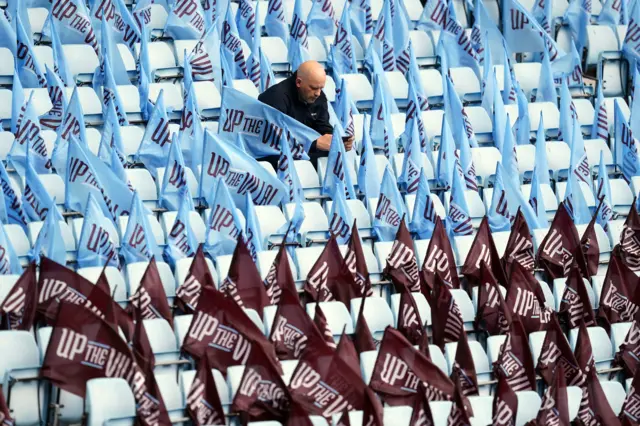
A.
x: 109, y: 398
x: 337, y: 315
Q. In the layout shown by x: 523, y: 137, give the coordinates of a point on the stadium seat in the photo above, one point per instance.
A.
x: 588, y: 194
x: 158, y: 19
x: 337, y: 315
x: 536, y: 339
x: 275, y: 50
x: 350, y: 165
x: 476, y: 207
x: 168, y: 219
x: 33, y: 229
x: 474, y: 295
x: 465, y: 83
x: 107, y: 399
x: 482, y: 407
x: 485, y: 160
x: 527, y: 74
x: 173, y: 100
x: 400, y: 415
x: 424, y: 309
x: 55, y: 187
x: 360, y: 89
x: 480, y: 122
x: 529, y: 403
x: 559, y: 286
x: 164, y: 349
x: 615, y: 394
x: 315, y: 224
x: 185, y: 380
x: 398, y: 160
x: 234, y: 378
x: 466, y: 308
x: 308, y: 177
x: 601, y: 38
x: 548, y: 198
x: 600, y: 344
x: 619, y: 333
x: 432, y: 120
x: 76, y: 228
x: 624, y: 107
x: 6, y: 66
x: 494, y: 345
x: 270, y: 220
x: 136, y: 270
x: 116, y: 280
x: 156, y: 228
x: 266, y: 259
x: 440, y: 410
x: 19, y: 240
x: 247, y: 87
x: 142, y: 181
x: 574, y: 396
x: 377, y: 313
x: 81, y: 60
x: 162, y: 59
x: 181, y: 271
x: 288, y: 368
x: 410, y: 201
x: 181, y: 324
x: 6, y: 284
x: 358, y: 212
x: 480, y: 362
x: 367, y: 364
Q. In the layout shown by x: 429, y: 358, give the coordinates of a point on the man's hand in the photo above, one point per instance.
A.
x: 348, y: 144
x: 323, y: 143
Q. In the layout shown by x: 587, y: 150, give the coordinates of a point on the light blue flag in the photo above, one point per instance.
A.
x: 605, y: 212
x: 181, y: 242
x: 109, y: 153
x: 111, y: 135
x: 191, y: 132
x: 500, y: 121
x: 492, y: 39
x: 499, y: 215
x: 458, y: 221
x: 390, y: 209
x: 446, y: 157
x: 626, y: 146
x: 337, y: 168
x: 476, y: 36
x: 433, y: 17
x: 344, y: 109
x: 457, y: 55
x: 28, y: 138
x: 110, y: 94
x: 214, y: 12
x: 423, y: 217
x: 8, y: 37
x: 288, y: 175
x: 412, y: 162
x: 414, y: 115
x: 252, y: 235
x: 73, y: 123
x: 567, y: 113
x: 344, y: 52
x: 231, y: 47
x: 186, y: 21
x: 509, y: 95
x: 138, y: 242
x: 340, y: 218
x: 261, y: 126
x: 50, y: 242
x: 29, y: 66
x: 569, y: 68
x: 59, y: 59
x: 579, y: 164
x: 361, y: 20
x: 253, y: 62
x: 125, y: 27
x: 541, y: 11
x: 174, y: 178
x: 10, y: 264
x: 381, y: 128
x: 546, y: 84
x: 275, y: 22
x: 241, y: 172
x: 541, y: 163
x: 145, y: 75
x: 374, y: 66
x: 109, y: 51
x: 401, y: 26
x: 12, y: 202
x: 246, y: 21
x: 578, y: 15
x: 457, y: 117
x: 413, y: 77
x: 267, y: 78
x: 321, y: 20
x: 613, y: 13
x: 488, y: 81
x: 536, y: 199
x: 575, y: 203
x: 17, y: 102
x: 466, y: 162
x: 523, y: 33
x: 73, y: 24
x: 516, y: 200
x: 35, y: 198
x: 634, y: 119
x: 298, y: 53
x: 368, y: 178
x: 52, y: 119
x: 600, y: 126
x: 223, y: 223
x: 156, y: 141
x: 509, y: 157
x: 96, y: 246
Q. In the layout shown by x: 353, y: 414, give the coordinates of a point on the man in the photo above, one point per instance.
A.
x: 301, y: 97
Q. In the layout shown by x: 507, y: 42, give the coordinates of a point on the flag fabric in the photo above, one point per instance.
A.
x: 626, y: 355
x: 620, y: 302
x: 509, y: 156
x: 275, y: 22
x: 505, y: 404
x: 488, y: 86
x: 156, y: 141
x: 569, y: 67
x: 575, y: 203
x: 590, y: 248
x: 626, y: 145
x: 415, y: 81
x: 483, y: 250
x: 337, y: 170
x: 546, y: 84
x: 29, y: 138
x: 523, y: 33
x: 466, y: 162
x: 596, y: 403
x: 109, y: 51
x: 433, y: 17
x: 204, y: 58
x: 541, y: 11
x: 579, y: 165
x: 523, y: 123
x: 246, y: 21
x: 174, y: 178
x: 447, y: 324
x: 628, y: 239
x: 52, y: 119
x: 191, y: 130
x: 35, y: 198
x: 412, y: 162
x: 110, y: 95
x: 517, y: 201
x: 410, y: 324
x: 509, y: 92
x: 111, y: 138
x: 439, y: 261
x: 60, y: 65
x: 288, y: 174
x: 536, y: 198
x: 320, y: 321
x: 72, y: 22
x: 423, y: 217
x: 458, y: 219
x: 298, y: 32
x: 414, y: 118
x: 253, y: 236
x: 447, y: 165
x: 635, y: 112
x: 394, y: 385
x: 456, y: 116
x: 577, y: 16
x: 231, y: 48
x: 203, y: 401
x: 321, y: 20
x: 630, y: 413
x: 138, y: 242
x: 541, y: 163
x: 381, y: 129
x: 457, y: 45
x: 292, y: 328
x: 558, y: 248
x: 600, y: 127
x: 575, y: 305
x: 555, y: 405
x: 186, y: 20
x: 555, y: 353
x: 198, y: 276
x: 29, y: 67
x: 613, y: 14
x: 499, y: 117
x: 568, y: 113
x: 181, y: 241
x: 123, y: 24
x: 356, y: 263
x: 345, y: 108
x: 463, y: 370
x: 18, y: 309
x: 17, y: 102
x: 390, y: 209
x: 363, y: 340
x: 150, y: 299
x: 515, y: 362
x: 49, y: 241
x: 361, y: 19
x: 96, y: 245
x: 492, y: 315
x: 498, y: 213
x: 421, y: 411
x: 519, y: 246
x: 240, y: 171
x: 279, y: 277
x: 368, y: 177
x: 526, y: 300
x: 9, y: 262
x: 401, y: 265
x: 340, y: 215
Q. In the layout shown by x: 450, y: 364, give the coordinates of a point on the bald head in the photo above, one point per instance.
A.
x: 310, y: 80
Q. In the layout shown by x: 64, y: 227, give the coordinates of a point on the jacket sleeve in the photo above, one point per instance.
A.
x: 322, y: 124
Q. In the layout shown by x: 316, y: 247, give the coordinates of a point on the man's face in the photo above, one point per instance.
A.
x: 310, y: 87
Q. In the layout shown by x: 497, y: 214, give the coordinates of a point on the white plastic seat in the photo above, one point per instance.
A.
x: 358, y: 212
x: 108, y: 399
x: 619, y: 333
x: 136, y: 270
x: 601, y: 38
x: 90, y: 103
x: 270, y: 220
x: 377, y: 313
x: 600, y: 345
x: 529, y: 403
x: 398, y: 85
x: 432, y: 82
x: 6, y: 66
x: 536, y: 339
x: 494, y: 345
x: 465, y: 81
x: 198, y: 226
x: 588, y: 194
x: 81, y: 59
x: 116, y: 280
x: 234, y: 378
x: 142, y: 181
x: 164, y: 349
x: 76, y: 227
x: 181, y: 324
x: 559, y: 286
x: 410, y: 201
x: 315, y: 222
x: 265, y: 260
x: 34, y: 228
x: 482, y: 410
x: 432, y: 121
x: 527, y: 74
x: 480, y: 359
x: 466, y: 307
x: 308, y: 177
x: 359, y: 88
x: 480, y: 122
x: 526, y: 158
x: 338, y: 317
x: 485, y: 160
x: 548, y: 198
x: 424, y: 309
x: 161, y: 58
x: 185, y: 380
x: 19, y: 240
x: 349, y: 165
x: 550, y: 115
x: 615, y: 394
x: 171, y: 395
x: 477, y: 209
x: 172, y: 95
x: 574, y: 396
x: 247, y: 87
x: 181, y: 270
x: 593, y: 148
x: 276, y: 51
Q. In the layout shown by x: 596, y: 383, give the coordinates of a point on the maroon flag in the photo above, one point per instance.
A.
x: 363, y: 340
x: 323, y: 384
x: 583, y: 351
x: 402, y: 266
x: 483, y: 250
x: 630, y: 414
x: 439, y: 260
x: 188, y: 293
x: 320, y: 322
x: 515, y: 362
x: 519, y: 246
x: 356, y: 263
x: 18, y: 310
x: 141, y: 347
x: 347, y: 353
x: 291, y: 327
x: 446, y: 319
x: 222, y: 331
x: 243, y: 283
x: 492, y: 316
x: 557, y: 352
x: 298, y: 416
x: 630, y: 240
x: 459, y: 415
x: 372, y: 412
x: 329, y: 279
x: 421, y: 415
x: 150, y: 298
x: 594, y: 407
x: 262, y: 395
x: 203, y: 402
x: 5, y: 415
x: 525, y: 299
x: 84, y: 347
x: 590, y: 247
x: 409, y: 321
x: 464, y: 370
x: 505, y: 404
x: 629, y: 354
x: 620, y: 298
x: 400, y: 368
x: 279, y: 278
x: 560, y: 246
x: 576, y: 306
x: 344, y: 419
x: 103, y: 282
x: 554, y: 410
